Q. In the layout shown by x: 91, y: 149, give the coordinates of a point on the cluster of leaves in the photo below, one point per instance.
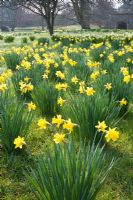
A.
x: 14, y: 120
x: 69, y: 173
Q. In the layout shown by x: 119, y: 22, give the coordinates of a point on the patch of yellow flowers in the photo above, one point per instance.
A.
x: 61, y: 124
x: 4, y: 76
x: 44, y: 56
x: 110, y: 134
x: 25, y: 87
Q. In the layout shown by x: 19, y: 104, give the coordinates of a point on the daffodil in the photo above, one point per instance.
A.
x: 94, y: 75
x: 112, y: 134
x: 31, y: 106
x: 123, y: 102
x: 19, y: 142
x: 60, y: 75
x: 3, y: 87
x: 26, y: 79
x: 74, y: 80
x: 104, y: 72
x: 68, y: 125
x: 126, y: 79
x: 111, y: 58
x: 42, y: 123
x: 101, y: 127
x: 25, y: 87
x: 108, y: 86
x: 125, y: 71
x: 60, y: 101
x: 90, y: 91
x: 59, y: 137
x: 26, y: 65
x: 45, y: 76
x: 57, y: 120
x: 61, y: 86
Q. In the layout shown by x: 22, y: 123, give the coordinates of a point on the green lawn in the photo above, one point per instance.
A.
x: 68, y: 30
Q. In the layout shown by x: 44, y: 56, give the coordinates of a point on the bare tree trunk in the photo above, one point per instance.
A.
x: 82, y: 12
x: 50, y: 17
x: 2, y: 16
x: 50, y: 27
x: 43, y: 23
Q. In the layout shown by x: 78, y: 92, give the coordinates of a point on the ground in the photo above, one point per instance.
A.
x: 119, y: 185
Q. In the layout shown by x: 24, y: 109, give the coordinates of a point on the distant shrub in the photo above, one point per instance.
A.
x: 5, y: 28
x: 24, y: 40
x: 43, y: 40
x: 12, y: 60
x: 9, y: 39
x: 32, y: 38
x: 1, y: 37
x: 37, y: 31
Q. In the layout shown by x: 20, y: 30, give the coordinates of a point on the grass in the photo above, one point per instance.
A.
x: 119, y: 185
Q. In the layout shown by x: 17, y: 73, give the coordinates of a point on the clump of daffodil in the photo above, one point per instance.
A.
x: 61, y: 86
x: 5, y: 75
x: 2, y: 78
x: 2, y: 59
x: 68, y: 60
x: 93, y: 64
x: 63, y: 125
x: 60, y: 75
x: 124, y: 71
x: 25, y: 87
x: 111, y: 58
x: 110, y: 134
x: 94, y: 75
x: 82, y: 87
x: 3, y: 87
x: 26, y: 65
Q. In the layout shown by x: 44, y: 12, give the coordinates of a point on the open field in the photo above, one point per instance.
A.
x: 70, y: 30
x: 85, y: 76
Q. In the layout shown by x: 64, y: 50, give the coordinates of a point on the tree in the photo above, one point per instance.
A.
x: 8, y: 17
x: 82, y: 10
x: 87, y: 9
x: 47, y: 9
